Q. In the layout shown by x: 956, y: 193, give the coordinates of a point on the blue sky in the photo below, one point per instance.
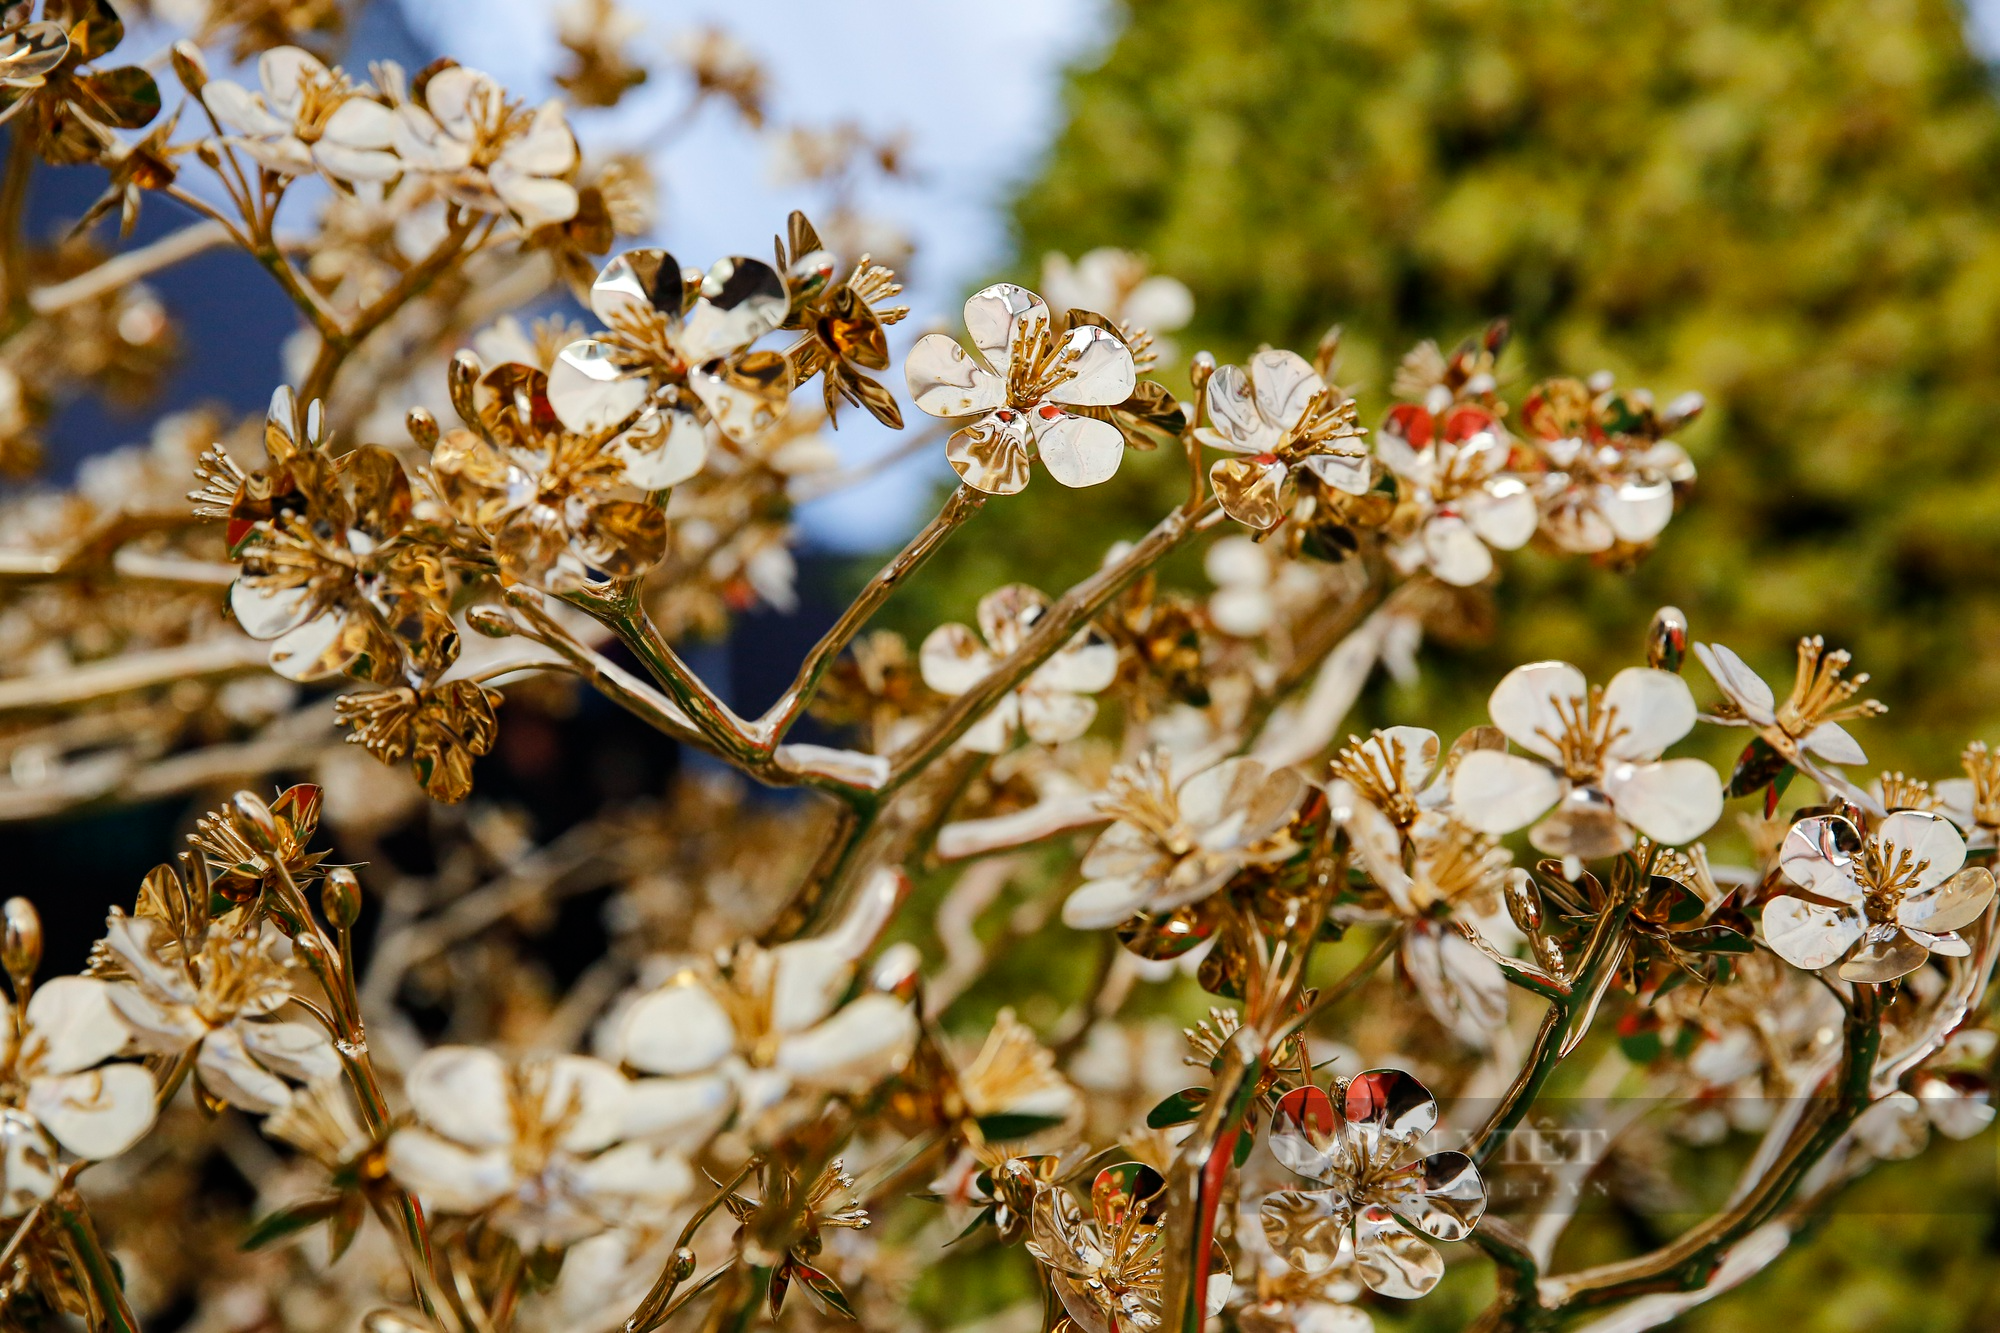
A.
x: 976, y: 88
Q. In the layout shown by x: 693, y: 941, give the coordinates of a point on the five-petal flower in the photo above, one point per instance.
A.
x: 1366, y: 1149
x: 57, y: 1086
x: 306, y: 117
x: 1024, y: 375
x: 1052, y: 705
x: 1597, y: 762
x: 1171, y: 845
x: 1279, y: 416
x: 1883, y: 900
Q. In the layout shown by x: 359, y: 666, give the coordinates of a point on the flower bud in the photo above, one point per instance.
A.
x: 1200, y: 366
x: 190, y: 67
x: 491, y: 621
x: 898, y: 971
x: 1667, y: 639
x: 256, y: 819
x: 1550, y: 955
x: 340, y: 898
x: 423, y: 428
x: 21, y: 951
x: 1524, y: 904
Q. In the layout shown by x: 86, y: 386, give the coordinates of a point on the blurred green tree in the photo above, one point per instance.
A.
x: 1790, y: 207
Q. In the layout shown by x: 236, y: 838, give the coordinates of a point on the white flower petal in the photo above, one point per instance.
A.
x: 444, y: 1175
x: 1504, y: 514
x: 28, y: 1167
x: 1654, y: 709
x: 864, y: 1043
x: 1099, y: 904
x: 1813, y: 858
x: 953, y: 660
x: 1000, y: 318
x: 1638, y: 512
x: 807, y: 979
x: 1930, y: 845
x: 547, y: 149
x: 72, y: 1025
x: 679, y: 1029
x: 1523, y: 704
x: 239, y: 109
x: 227, y: 1070
x: 1744, y: 687
x: 267, y: 613
x: 1051, y: 716
x: 286, y: 72
x: 945, y: 382
x: 662, y: 450
x: 95, y: 1115
x: 299, y: 1051
x: 640, y: 1172
x: 1077, y: 451
x: 587, y: 1097
x: 1232, y: 407
x: 1830, y: 741
x: 1284, y: 384
x: 1952, y: 905
x: 463, y: 1091
x: 678, y: 1112
x: 590, y: 391
x: 1806, y: 934
x: 1104, y: 373
x: 536, y: 200
x: 1454, y: 552
x: 1495, y: 792
x: 1671, y: 800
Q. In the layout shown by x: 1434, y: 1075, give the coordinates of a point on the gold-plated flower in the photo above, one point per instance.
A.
x: 1019, y: 385
x: 1805, y: 730
x: 1053, y: 704
x: 216, y: 1005
x: 597, y: 34
x: 58, y: 1092
x: 560, y: 507
x: 1882, y: 900
x: 1457, y: 496
x: 488, y: 152
x: 440, y: 729
x: 306, y: 117
x: 674, y: 359
x: 1012, y: 1087
x: 1108, y: 1267
x: 1142, y: 305
x: 1596, y: 775
x: 72, y: 110
x: 1280, y: 416
x: 1973, y: 801
x: 843, y: 316
x: 240, y: 870
x: 1608, y: 485
x: 829, y: 1202
x: 1175, y: 844
x: 1365, y: 1144
x: 327, y: 578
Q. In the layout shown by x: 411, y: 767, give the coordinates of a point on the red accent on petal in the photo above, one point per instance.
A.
x: 1265, y: 460
x: 1466, y: 422
x: 1411, y: 422
x: 1003, y: 414
x: 1049, y: 411
x: 239, y: 528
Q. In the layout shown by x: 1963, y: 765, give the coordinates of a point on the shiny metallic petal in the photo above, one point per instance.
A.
x: 1809, y: 935
x: 1077, y: 451
x: 1393, y: 1262
x: 992, y: 454
x: 1305, y: 1228
x: 1251, y: 491
x: 946, y: 382
x: 590, y: 391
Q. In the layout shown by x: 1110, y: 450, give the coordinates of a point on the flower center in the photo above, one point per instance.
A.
x: 1818, y: 692
x: 1040, y: 363
x: 1887, y: 877
x: 1588, y: 729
